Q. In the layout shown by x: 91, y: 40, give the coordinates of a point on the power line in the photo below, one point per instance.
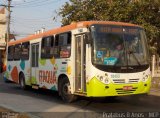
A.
x: 32, y: 3
x: 24, y: 2
x: 38, y: 4
x: 29, y: 2
x: 36, y: 21
x: 22, y: 24
x: 21, y: 33
x: 27, y: 23
x: 33, y: 19
x: 30, y: 25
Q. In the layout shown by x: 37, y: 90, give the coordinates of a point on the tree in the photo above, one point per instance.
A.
x: 143, y: 12
x: 80, y: 10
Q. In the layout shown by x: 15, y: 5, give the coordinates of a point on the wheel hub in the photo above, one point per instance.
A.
x: 66, y: 89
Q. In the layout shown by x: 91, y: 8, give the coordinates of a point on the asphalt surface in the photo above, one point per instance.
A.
x: 38, y: 101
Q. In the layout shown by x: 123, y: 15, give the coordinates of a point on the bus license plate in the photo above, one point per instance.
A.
x: 127, y: 87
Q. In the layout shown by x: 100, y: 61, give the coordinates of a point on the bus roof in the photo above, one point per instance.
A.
x: 68, y: 28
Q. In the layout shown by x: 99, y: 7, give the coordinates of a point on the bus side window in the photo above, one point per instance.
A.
x: 10, y: 53
x: 47, y: 47
x: 63, y: 41
x: 25, y: 51
x: 56, y: 47
x: 17, y: 52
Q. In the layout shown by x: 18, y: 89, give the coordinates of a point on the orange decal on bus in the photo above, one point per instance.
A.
x: 14, y: 74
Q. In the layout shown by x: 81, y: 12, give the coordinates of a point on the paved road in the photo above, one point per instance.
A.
x: 12, y: 97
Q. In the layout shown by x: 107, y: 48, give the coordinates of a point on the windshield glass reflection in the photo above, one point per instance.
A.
x: 119, y: 46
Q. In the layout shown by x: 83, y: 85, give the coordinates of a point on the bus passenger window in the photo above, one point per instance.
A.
x: 10, y: 53
x: 25, y: 51
x: 17, y: 52
x: 56, y: 51
x: 56, y: 40
x: 47, y: 47
x: 64, y: 44
x: 56, y: 47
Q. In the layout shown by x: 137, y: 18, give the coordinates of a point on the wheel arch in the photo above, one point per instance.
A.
x: 60, y: 77
x: 20, y: 73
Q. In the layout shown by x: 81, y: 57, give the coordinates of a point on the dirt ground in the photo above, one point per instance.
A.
x: 9, y: 113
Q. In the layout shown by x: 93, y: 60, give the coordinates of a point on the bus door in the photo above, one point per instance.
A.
x: 80, y: 63
x: 34, y: 63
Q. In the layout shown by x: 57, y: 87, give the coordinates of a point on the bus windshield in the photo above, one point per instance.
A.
x: 119, y: 46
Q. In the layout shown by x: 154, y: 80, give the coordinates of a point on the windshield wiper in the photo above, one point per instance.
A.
x: 132, y: 52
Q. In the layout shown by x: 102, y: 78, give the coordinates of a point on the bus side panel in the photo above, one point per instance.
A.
x: 50, y: 70
x: 46, y: 73
x: 24, y: 67
x: 14, y: 68
x: 12, y: 72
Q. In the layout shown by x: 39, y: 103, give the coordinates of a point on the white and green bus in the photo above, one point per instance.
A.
x: 89, y: 58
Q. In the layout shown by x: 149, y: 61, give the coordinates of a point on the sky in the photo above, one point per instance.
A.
x: 28, y: 16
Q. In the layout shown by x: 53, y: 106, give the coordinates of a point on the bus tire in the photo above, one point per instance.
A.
x: 22, y: 81
x: 64, y: 91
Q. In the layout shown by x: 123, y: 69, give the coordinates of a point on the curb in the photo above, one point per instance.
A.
x: 155, y: 83
x: 155, y: 90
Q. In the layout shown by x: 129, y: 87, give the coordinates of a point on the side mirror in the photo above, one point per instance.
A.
x: 87, y: 38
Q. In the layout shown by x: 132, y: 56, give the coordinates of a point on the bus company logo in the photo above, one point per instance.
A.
x: 47, y: 76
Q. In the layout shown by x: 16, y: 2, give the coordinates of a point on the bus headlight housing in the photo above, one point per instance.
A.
x: 144, y: 79
x: 106, y: 80
x: 103, y: 79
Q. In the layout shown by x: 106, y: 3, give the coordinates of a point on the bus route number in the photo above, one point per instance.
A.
x: 115, y: 76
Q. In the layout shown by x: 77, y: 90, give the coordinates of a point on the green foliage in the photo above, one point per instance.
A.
x: 145, y: 13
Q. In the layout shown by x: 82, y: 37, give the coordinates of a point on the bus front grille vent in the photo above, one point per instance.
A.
x: 119, y: 81
x: 133, y: 80
x: 122, y: 91
x: 125, y: 81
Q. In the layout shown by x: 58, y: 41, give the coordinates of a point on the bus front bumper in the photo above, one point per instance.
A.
x: 95, y: 88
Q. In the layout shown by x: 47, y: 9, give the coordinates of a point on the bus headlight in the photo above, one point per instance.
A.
x: 144, y: 79
x: 101, y: 78
x: 106, y: 80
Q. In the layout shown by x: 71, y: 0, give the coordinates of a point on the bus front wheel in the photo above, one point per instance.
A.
x: 22, y: 81
x: 64, y: 91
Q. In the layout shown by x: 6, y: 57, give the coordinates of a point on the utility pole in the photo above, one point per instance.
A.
x: 8, y: 7
x: 7, y: 38
x: 9, y: 19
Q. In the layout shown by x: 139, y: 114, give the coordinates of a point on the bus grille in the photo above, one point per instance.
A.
x: 119, y: 81
x: 121, y: 91
x: 123, y: 81
x: 133, y: 80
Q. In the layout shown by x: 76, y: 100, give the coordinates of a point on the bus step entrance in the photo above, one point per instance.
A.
x: 80, y: 93
x: 35, y: 86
